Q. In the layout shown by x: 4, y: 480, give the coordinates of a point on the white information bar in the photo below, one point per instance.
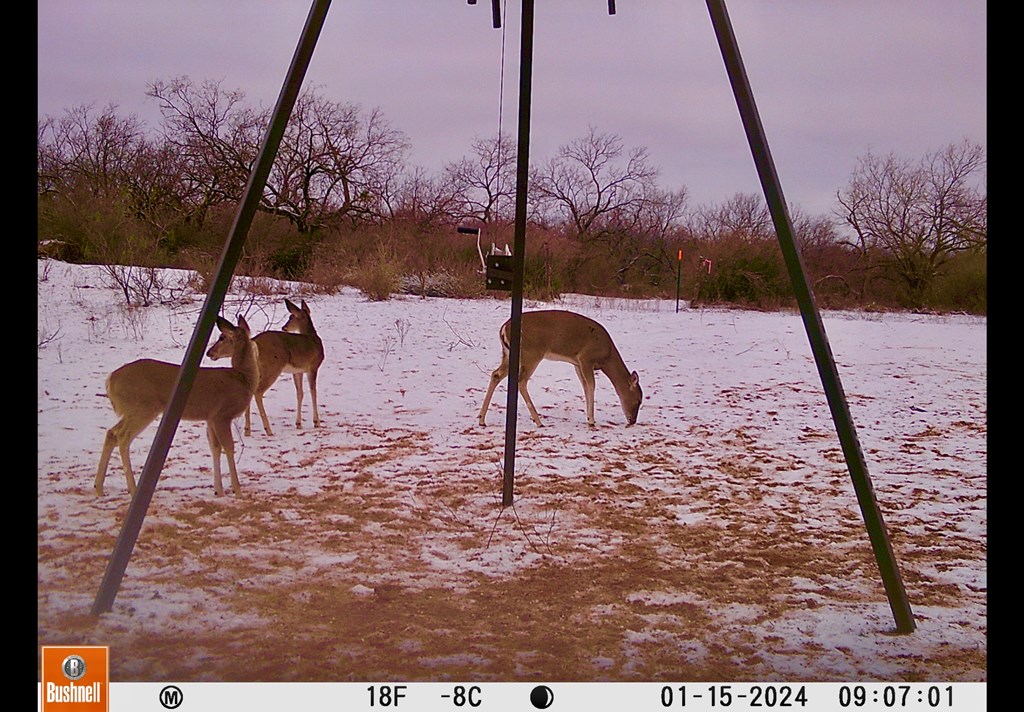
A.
x: 554, y: 696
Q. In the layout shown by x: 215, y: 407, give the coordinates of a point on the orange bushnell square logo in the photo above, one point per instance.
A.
x: 75, y: 678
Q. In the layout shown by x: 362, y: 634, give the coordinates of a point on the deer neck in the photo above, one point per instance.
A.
x: 247, y: 362
x: 615, y: 368
x: 310, y: 331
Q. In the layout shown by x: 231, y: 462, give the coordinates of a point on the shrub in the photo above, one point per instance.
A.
x: 963, y: 286
x: 435, y: 284
x: 749, y: 279
x: 328, y: 268
x: 380, y: 276
x: 290, y: 261
x: 140, y: 286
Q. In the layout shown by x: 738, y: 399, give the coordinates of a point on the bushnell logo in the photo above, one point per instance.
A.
x: 73, y: 667
x: 75, y: 678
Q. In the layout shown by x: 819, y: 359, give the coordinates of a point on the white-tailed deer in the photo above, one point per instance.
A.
x: 139, y: 392
x: 566, y: 336
x: 296, y: 349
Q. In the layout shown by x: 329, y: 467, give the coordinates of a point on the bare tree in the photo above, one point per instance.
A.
x: 49, y: 162
x: 419, y: 198
x: 744, y: 216
x: 484, y: 184
x: 214, y: 135
x: 918, y: 215
x: 590, y: 187
x: 334, y: 162
x: 959, y: 207
x: 88, y: 152
x: 119, y: 192
x: 648, y: 234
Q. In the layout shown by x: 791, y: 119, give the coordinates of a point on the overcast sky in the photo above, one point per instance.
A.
x: 833, y: 79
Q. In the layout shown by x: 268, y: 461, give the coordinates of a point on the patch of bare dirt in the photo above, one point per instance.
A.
x: 597, y: 576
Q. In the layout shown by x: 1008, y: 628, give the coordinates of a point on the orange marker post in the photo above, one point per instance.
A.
x: 679, y: 273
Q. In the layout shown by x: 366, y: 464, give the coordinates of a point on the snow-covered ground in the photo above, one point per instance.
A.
x: 718, y: 538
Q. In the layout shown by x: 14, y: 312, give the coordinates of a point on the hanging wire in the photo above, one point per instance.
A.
x: 501, y: 95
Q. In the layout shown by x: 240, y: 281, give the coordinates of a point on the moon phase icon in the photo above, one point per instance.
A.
x: 541, y: 696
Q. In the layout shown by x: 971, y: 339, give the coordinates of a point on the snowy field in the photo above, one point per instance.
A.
x: 717, y: 539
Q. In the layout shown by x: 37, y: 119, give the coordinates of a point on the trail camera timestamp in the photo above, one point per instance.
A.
x: 742, y: 697
x: 833, y: 697
x: 896, y: 696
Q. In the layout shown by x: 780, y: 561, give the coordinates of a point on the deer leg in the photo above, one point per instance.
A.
x: 297, y: 377
x: 222, y: 429
x: 497, y: 376
x: 525, y: 371
x: 218, y: 432
x: 263, y: 415
x: 586, y: 375
x: 215, y: 448
x: 312, y: 392
x: 126, y: 464
x: 101, y: 473
x: 125, y: 432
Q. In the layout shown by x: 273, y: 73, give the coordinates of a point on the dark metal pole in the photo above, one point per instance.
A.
x: 518, y: 248
x: 214, y: 299
x: 887, y: 564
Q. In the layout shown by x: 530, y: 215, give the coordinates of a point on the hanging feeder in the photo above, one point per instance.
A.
x: 496, y: 266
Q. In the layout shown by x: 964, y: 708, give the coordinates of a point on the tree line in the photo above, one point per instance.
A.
x: 342, y: 206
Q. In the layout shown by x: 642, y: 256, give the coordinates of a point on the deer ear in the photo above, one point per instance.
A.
x: 223, y: 324
x: 304, y: 307
x: 290, y: 305
x: 634, y: 379
x: 242, y: 323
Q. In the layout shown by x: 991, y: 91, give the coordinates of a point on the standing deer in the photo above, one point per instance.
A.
x: 140, y: 391
x: 566, y: 336
x: 296, y: 349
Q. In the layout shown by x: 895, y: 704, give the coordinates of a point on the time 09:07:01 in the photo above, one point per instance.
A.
x: 895, y: 696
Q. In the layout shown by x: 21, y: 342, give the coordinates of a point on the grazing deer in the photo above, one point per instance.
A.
x: 566, y: 336
x: 140, y: 391
x: 296, y: 349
